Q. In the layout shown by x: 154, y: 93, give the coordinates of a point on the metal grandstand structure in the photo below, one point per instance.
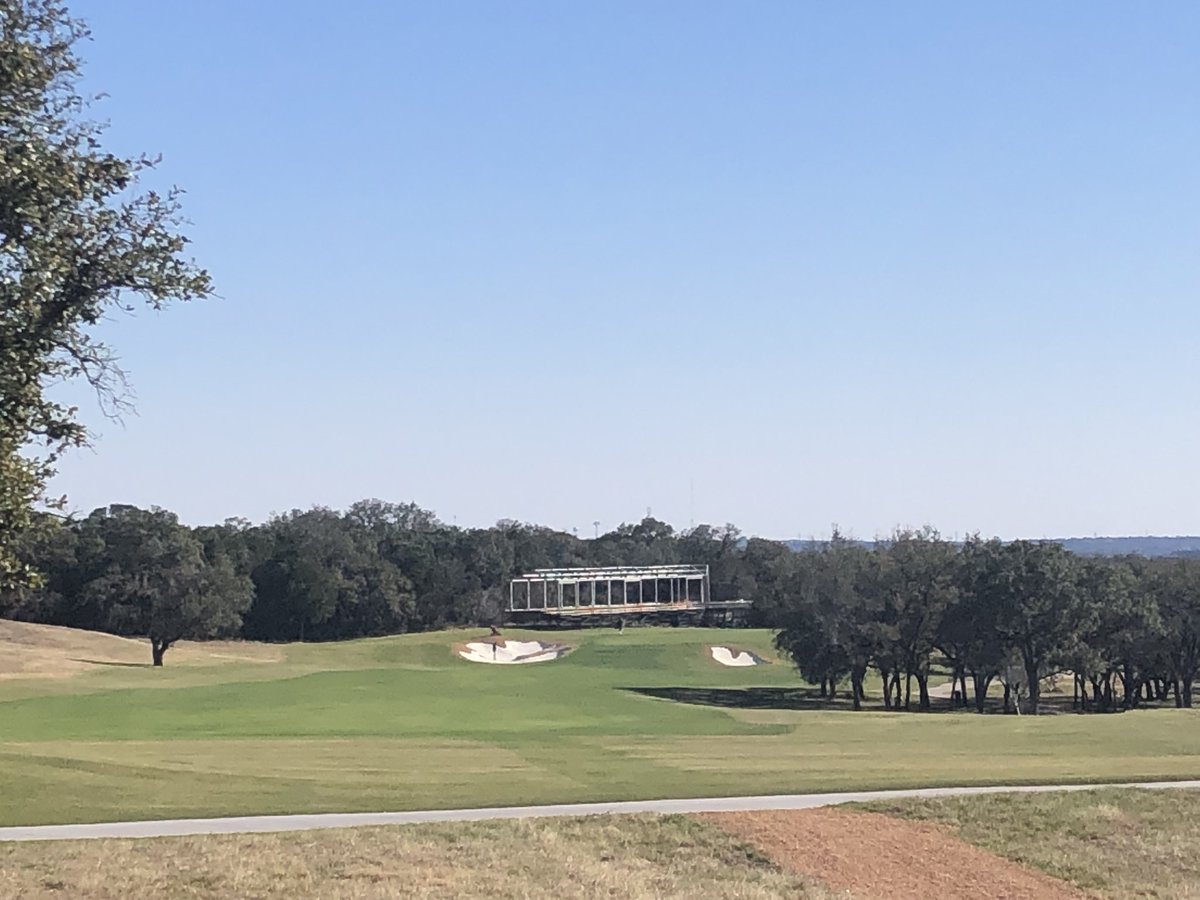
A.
x: 615, y: 591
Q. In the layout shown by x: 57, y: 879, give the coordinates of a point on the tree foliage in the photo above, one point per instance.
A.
x: 139, y: 572
x: 78, y: 239
x: 1124, y: 630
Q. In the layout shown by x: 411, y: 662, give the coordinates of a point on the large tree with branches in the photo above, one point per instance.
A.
x: 78, y: 239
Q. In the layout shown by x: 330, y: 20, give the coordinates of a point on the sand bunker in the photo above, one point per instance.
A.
x: 508, y: 653
x: 729, y: 656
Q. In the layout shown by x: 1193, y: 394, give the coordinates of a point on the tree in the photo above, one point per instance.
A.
x: 1041, y: 611
x: 969, y: 634
x: 156, y: 581
x: 648, y: 543
x: 1125, y: 625
x: 77, y: 240
x: 720, y: 550
x: 1176, y: 586
x: 49, y: 549
x: 827, y: 614
x: 919, y: 580
x: 297, y: 586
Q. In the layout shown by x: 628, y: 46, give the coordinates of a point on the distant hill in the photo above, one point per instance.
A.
x: 1142, y: 546
x: 1145, y: 545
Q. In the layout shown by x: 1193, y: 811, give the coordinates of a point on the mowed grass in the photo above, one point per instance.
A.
x: 619, y: 857
x: 1117, y: 843
x: 402, y: 723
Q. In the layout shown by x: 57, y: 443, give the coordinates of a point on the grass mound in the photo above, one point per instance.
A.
x: 51, y: 651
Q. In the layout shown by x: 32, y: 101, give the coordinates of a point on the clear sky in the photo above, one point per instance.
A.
x: 782, y: 264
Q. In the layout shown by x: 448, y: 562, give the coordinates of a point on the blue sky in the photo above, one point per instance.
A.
x: 780, y: 264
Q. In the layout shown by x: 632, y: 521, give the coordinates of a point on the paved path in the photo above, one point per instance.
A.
x: 247, y: 824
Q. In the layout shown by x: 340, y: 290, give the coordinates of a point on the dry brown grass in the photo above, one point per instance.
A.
x: 1115, y: 843
x: 48, y: 651
x: 616, y: 857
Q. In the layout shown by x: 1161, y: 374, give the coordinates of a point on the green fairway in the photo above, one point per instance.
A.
x: 396, y: 723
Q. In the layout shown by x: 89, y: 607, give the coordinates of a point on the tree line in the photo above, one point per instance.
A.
x: 315, y: 575
x: 1127, y: 629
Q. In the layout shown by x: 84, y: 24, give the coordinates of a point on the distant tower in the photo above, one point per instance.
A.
x: 596, y: 527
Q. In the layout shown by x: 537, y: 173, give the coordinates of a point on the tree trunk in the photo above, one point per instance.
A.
x: 856, y: 689
x: 157, y: 649
x: 1131, y: 686
x: 1007, y: 697
x: 980, y: 683
x: 958, y: 685
x: 908, y: 676
x: 1033, y: 685
x: 923, y: 691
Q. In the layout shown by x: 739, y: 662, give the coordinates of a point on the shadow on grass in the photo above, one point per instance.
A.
x: 811, y: 699
x: 110, y: 662
x: 745, y: 698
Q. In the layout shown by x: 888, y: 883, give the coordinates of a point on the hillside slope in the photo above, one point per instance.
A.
x: 51, y: 651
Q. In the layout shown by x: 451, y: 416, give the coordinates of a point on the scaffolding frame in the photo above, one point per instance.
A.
x: 606, y: 590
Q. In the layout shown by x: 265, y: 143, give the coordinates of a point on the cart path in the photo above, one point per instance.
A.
x: 249, y: 824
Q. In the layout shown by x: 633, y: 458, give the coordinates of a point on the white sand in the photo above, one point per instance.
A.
x: 726, y: 657
x: 509, y: 653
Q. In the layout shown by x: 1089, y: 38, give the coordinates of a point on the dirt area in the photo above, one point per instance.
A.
x: 49, y: 651
x: 876, y: 856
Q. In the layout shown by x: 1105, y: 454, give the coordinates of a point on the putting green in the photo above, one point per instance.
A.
x: 403, y: 722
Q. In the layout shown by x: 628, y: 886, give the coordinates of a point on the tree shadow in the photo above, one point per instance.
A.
x: 110, y: 662
x: 802, y: 698
x: 745, y: 698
